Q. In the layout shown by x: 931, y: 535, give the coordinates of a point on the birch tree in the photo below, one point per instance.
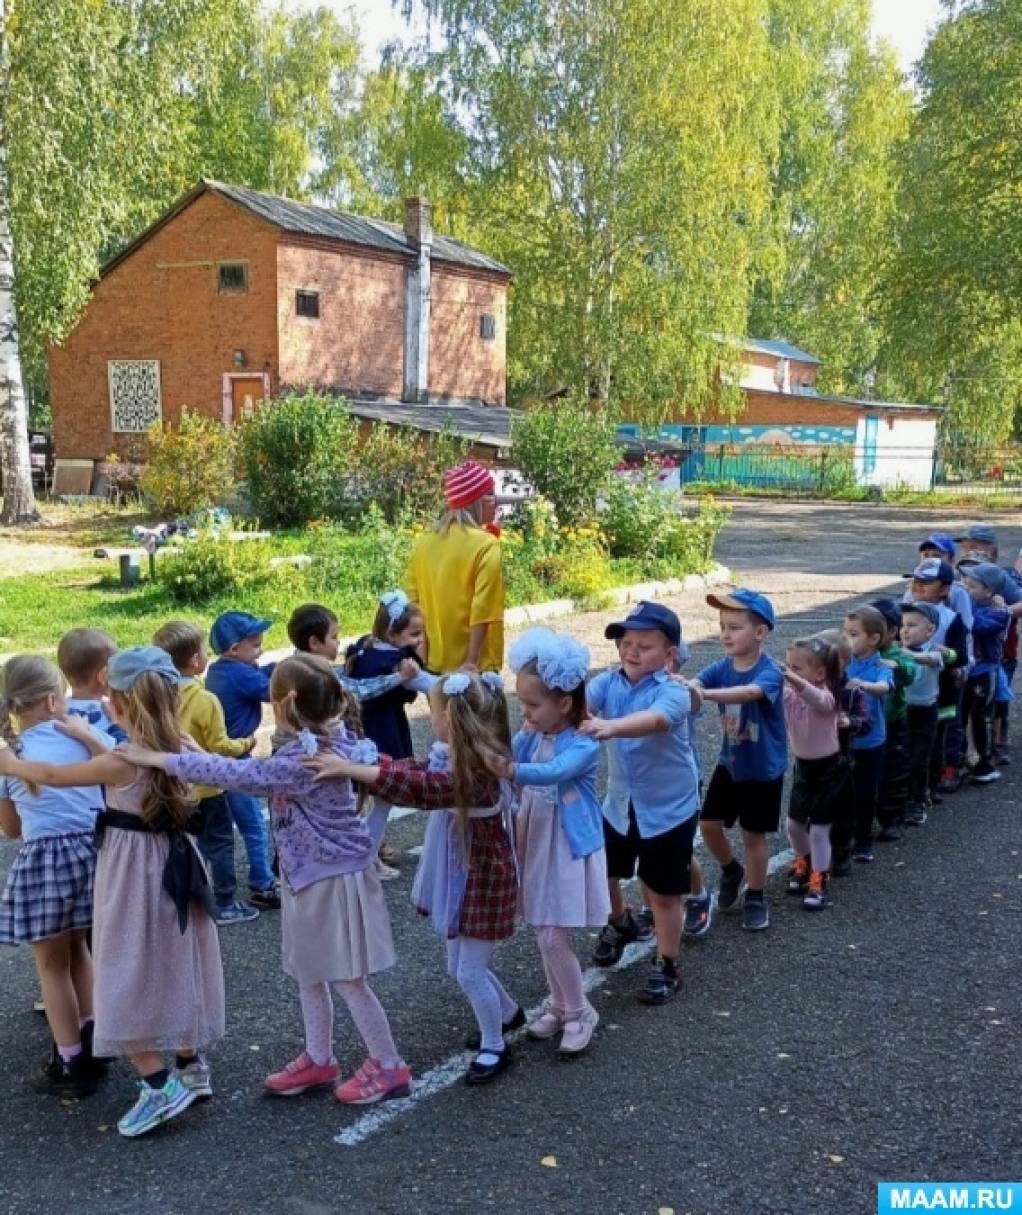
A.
x: 15, y: 461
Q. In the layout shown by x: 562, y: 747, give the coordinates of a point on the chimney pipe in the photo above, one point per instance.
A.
x: 418, y: 220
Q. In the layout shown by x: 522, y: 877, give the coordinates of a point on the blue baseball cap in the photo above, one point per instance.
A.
x: 978, y: 531
x: 644, y: 617
x: 127, y: 665
x: 944, y: 542
x: 890, y: 609
x: 231, y: 627
x: 933, y: 570
x: 926, y: 610
x: 743, y: 600
x: 987, y: 574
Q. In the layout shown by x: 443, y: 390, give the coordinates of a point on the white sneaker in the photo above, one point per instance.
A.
x: 549, y: 1022
x: 578, y: 1032
x: 385, y: 872
x: 196, y: 1078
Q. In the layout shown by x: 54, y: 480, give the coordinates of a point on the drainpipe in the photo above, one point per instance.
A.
x: 419, y: 230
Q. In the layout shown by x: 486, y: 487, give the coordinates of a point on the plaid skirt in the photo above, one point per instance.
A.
x: 49, y: 889
x: 491, y: 895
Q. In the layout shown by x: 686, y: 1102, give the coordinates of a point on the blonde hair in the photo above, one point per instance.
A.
x: 150, y: 710
x: 480, y: 746
x: 467, y: 516
x: 25, y: 680
x: 181, y: 639
x: 83, y: 652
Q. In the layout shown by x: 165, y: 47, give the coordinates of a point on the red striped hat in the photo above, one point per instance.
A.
x: 467, y: 484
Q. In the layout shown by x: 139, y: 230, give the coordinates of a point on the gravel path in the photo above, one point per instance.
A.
x: 799, y: 1067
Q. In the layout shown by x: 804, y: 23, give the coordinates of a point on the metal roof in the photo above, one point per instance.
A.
x: 307, y: 219
x: 781, y: 349
x: 486, y: 424
x: 857, y: 402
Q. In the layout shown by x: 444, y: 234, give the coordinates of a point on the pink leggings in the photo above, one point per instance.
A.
x: 366, y: 1011
x: 563, y: 972
x: 813, y: 842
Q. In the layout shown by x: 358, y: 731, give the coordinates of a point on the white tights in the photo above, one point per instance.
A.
x: 468, y: 961
x: 563, y: 972
x: 366, y: 1011
x: 814, y: 843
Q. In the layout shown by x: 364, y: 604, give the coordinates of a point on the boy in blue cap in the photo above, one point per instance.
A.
x: 242, y: 686
x: 991, y: 619
x: 747, y: 783
x: 652, y: 802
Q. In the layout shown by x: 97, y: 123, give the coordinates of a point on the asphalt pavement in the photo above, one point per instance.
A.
x: 874, y: 1041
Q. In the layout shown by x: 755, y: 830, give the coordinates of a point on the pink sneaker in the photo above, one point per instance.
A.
x: 300, y: 1074
x: 372, y: 1083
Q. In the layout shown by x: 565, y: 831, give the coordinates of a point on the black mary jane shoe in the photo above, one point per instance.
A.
x: 483, y: 1073
x: 475, y: 1041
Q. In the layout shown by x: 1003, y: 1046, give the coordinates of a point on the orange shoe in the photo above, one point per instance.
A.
x: 816, y: 892
x: 798, y: 875
x: 301, y: 1074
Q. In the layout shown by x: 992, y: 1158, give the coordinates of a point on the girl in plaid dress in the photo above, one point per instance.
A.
x: 467, y: 879
x: 47, y: 902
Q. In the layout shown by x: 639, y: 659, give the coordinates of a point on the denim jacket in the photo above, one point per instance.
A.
x: 573, y: 771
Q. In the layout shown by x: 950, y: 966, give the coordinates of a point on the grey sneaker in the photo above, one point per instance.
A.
x: 196, y: 1078
x: 237, y: 913
x: 755, y: 914
x: 729, y: 890
x: 155, y: 1105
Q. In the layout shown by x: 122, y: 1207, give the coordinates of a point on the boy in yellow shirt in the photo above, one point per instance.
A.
x: 202, y: 717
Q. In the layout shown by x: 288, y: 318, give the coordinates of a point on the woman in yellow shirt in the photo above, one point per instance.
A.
x: 455, y: 576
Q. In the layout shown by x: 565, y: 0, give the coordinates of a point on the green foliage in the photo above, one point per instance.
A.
x: 566, y: 449
x: 400, y: 471
x: 188, y: 468
x: 643, y: 521
x: 213, y: 567
x: 297, y: 451
x: 362, y: 564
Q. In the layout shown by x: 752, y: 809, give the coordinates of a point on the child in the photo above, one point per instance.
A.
x: 894, y: 779
x: 399, y: 634
x: 853, y: 720
x: 335, y: 927
x: 82, y: 656
x: 466, y: 881
x: 746, y: 786
x: 989, y: 629
x: 919, y: 623
x: 558, y: 827
x: 866, y: 630
x: 812, y: 706
x: 941, y: 547
x: 202, y: 718
x: 47, y: 901
x: 159, y: 980
x: 242, y: 687
x: 652, y: 800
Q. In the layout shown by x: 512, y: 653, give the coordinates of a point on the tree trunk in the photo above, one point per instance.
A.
x: 15, y: 459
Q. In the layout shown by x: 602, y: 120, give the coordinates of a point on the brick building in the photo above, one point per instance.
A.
x: 234, y: 295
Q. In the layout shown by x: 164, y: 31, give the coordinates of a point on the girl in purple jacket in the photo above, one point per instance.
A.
x: 335, y: 926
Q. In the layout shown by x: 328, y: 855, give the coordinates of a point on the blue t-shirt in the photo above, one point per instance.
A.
x: 94, y: 712
x: 755, y: 744
x: 872, y: 670
x: 52, y: 811
x: 242, y: 688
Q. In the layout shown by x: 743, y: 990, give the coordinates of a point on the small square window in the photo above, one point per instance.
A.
x: 232, y: 276
x: 307, y: 304
x: 487, y: 327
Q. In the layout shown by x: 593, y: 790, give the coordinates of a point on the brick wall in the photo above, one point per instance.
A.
x: 162, y: 303
x: 357, y: 344
x: 767, y: 409
x: 461, y: 363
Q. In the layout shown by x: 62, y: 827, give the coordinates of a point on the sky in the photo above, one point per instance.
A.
x: 904, y: 23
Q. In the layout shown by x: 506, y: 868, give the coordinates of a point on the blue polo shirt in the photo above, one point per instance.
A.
x: 754, y: 745
x: 656, y: 773
x: 872, y: 670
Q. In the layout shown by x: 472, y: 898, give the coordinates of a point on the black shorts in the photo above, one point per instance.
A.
x: 665, y: 860
x: 754, y: 804
x: 818, y: 789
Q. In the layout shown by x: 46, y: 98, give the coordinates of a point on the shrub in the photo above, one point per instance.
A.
x: 189, y: 468
x: 214, y: 567
x: 581, y: 570
x: 297, y: 452
x: 567, y: 450
x: 643, y: 521
x: 401, y: 472
x: 362, y: 564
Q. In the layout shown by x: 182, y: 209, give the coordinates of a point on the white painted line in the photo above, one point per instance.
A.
x: 451, y: 1070
x: 399, y: 812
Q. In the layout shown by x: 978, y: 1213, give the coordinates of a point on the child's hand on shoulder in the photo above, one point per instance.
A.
x: 597, y: 727
x: 408, y: 668
x: 75, y: 727
x: 139, y: 756
x: 328, y: 765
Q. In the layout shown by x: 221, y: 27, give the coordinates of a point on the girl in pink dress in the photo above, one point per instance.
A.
x: 559, y: 825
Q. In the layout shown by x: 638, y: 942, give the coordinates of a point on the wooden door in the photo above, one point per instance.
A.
x: 246, y: 392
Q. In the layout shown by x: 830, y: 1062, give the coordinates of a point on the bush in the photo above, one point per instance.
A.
x: 215, y: 567
x: 652, y: 524
x: 297, y: 452
x: 360, y: 565
x: 401, y: 472
x: 567, y: 450
x: 189, y: 468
